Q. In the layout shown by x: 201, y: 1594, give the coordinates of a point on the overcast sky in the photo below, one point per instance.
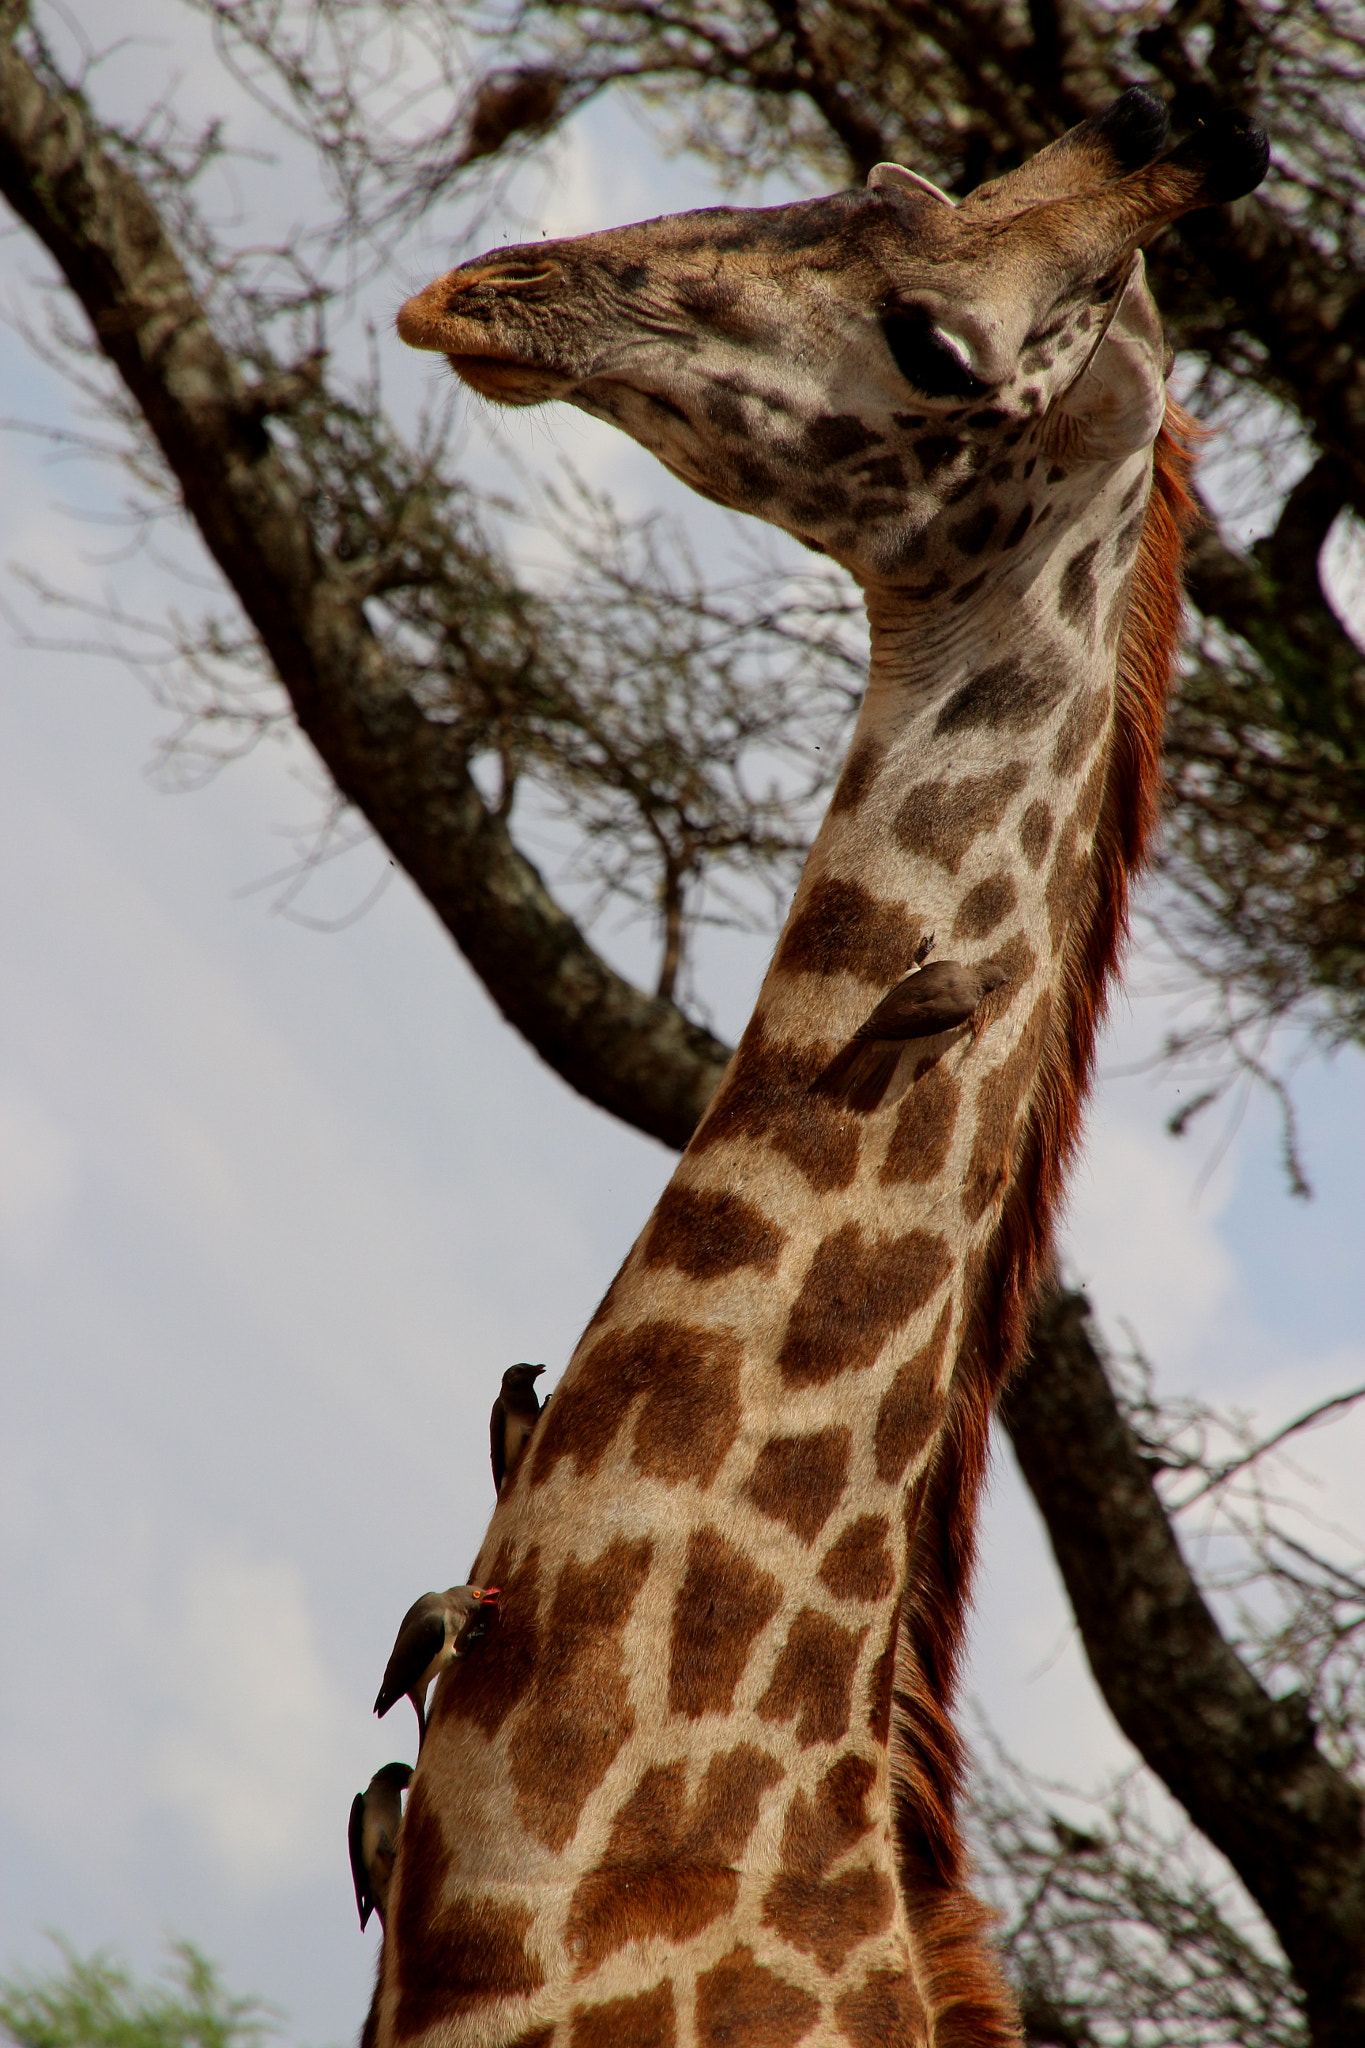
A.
x: 276, y: 1208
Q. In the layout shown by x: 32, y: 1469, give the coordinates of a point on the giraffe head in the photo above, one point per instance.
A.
x: 888, y: 376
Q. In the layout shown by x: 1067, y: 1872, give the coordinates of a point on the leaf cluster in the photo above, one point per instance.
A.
x: 95, y: 2002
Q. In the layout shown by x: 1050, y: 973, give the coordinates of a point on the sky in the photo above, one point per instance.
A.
x: 277, y: 1205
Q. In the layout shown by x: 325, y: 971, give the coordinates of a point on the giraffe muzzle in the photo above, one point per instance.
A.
x: 470, y: 316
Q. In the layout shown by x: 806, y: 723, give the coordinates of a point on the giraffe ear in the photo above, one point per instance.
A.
x: 1117, y: 404
x: 884, y: 175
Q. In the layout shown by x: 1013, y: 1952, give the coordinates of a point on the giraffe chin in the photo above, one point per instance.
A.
x: 508, y: 383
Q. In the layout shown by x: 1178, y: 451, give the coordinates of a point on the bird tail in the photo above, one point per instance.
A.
x: 861, y: 1074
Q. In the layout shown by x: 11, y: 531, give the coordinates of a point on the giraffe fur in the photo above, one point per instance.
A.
x: 701, y: 1784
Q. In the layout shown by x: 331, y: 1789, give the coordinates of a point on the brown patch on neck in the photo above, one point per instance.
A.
x: 579, y: 1715
x: 940, y: 820
x: 668, y: 1867
x: 742, y: 2005
x: 648, y: 2021
x: 912, y: 1406
x: 819, y: 1831
x: 706, y: 1233
x: 854, y: 1295
x: 813, y: 1679
x: 1011, y: 695
x: 986, y: 906
x: 686, y: 1379
x: 997, y: 1109
x: 767, y: 1096
x: 1080, y: 730
x: 1064, y: 882
x: 1035, y: 832
x: 885, y: 2008
x: 924, y: 1129
x: 828, y: 1917
x: 863, y: 766
x: 858, y: 1566
x: 721, y: 1608
x: 842, y: 928
x: 451, y: 1959
x: 800, y: 1480
x: 485, y: 1688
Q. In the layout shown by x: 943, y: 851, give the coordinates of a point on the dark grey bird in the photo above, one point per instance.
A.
x: 938, y: 998
x: 436, y: 1630
x: 376, y: 1816
x: 513, y: 1419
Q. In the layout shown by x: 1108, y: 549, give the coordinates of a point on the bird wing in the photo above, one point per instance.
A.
x: 497, y: 1432
x: 355, y: 1839
x: 421, y: 1638
x: 871, y: 1074
x: 938, y: 998
x: 516, y: 1437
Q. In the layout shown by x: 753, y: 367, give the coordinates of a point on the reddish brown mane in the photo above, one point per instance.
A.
x: 963, y: 1981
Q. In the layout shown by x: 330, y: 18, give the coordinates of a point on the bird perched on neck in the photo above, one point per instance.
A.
x: 436, y: 1630
x: 376, y: 1816
x: 939, y: 998
x: 513, y: 1419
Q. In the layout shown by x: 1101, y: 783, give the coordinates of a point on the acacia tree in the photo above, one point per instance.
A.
x: 671, y: 726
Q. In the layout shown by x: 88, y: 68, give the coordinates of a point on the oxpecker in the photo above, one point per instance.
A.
x: 435, y: 1630
x: 513, y: 1419
x: 376, y: 1816
x: 941, y: 997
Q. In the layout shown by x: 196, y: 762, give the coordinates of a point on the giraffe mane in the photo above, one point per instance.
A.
x: 964, y: 1984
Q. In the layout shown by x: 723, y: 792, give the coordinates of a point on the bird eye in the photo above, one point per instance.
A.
x: 926, y: 358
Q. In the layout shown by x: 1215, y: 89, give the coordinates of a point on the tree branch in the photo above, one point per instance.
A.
x: 632, y: 1054
x: 1273, y: 599
x: 1246, y: 1767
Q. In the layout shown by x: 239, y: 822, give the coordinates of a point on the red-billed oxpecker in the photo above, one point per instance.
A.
x: 436, y: 1630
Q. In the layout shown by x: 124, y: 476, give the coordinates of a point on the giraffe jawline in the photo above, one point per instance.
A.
x: 506, y: 380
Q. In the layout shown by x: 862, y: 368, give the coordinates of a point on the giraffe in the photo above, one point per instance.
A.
x: 700, y: 1785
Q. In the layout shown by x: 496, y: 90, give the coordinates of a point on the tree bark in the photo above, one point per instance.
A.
x: 1245, y: 1767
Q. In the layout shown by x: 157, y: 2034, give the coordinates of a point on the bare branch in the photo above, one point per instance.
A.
x: 1245, y: 1766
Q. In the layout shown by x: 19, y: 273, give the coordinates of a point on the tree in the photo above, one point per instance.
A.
x: 450, y: 694
x: 95, y: 2002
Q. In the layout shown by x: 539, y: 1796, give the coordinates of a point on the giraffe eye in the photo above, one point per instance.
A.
x: 926, y: 358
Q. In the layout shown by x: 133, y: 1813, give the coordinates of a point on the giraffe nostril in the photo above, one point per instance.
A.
x: 511, y: 274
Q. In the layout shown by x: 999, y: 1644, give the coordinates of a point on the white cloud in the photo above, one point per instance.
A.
x: 38, y: 1174
x: 1143, y: 1240
x: 255, y: 1737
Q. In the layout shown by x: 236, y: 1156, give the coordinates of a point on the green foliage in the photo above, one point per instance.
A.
x: 95, y: 2002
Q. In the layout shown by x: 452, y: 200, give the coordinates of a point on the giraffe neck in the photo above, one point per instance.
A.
x: 659, y: 1798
